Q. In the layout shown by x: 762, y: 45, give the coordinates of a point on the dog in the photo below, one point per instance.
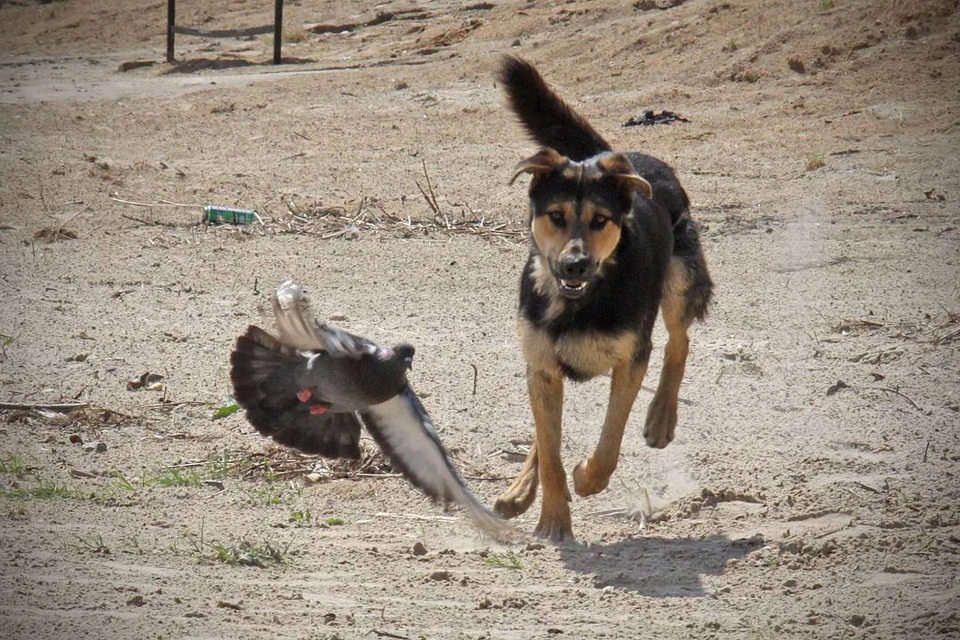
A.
x: 612, y: 242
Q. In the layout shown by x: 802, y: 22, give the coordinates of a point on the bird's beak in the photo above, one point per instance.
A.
x: 409, y: 362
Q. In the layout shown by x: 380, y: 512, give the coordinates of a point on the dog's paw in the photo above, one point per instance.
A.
x: 586, y: 482
x: 517, y: 499
x: 555, y: 530
x: 511, y: 506
x: 660, y: 426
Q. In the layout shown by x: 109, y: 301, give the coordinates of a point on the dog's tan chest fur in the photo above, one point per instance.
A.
x: 588, y: 353
x: 595, y: 354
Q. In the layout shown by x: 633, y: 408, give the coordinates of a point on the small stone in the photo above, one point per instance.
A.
x: 790, y: 583
x: 419, y: 549
x: 75, y: 438
x: 95, y: 445
x: 534, y: 546
x: 858, y: 620
x: 136, y: 601
x: 484, y: 604
x: 440, y: 575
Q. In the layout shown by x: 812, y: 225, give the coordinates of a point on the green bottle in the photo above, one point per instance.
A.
x: 232, y: 215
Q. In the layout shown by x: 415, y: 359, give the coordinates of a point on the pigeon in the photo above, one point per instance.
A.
x: 314, y: 387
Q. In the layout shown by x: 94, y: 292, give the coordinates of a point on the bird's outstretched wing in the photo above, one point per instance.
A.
x: 258, y: 365
x: 405, y: 434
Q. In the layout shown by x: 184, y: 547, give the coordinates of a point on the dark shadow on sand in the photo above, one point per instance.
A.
x: 194, y: 65
x: 657, y: 567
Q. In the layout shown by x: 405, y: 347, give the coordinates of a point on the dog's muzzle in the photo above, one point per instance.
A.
x: 574, y: 273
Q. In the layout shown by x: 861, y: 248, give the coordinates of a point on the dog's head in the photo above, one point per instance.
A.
x: 577, y: 212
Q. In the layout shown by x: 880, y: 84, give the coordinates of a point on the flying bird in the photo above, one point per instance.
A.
x: 313, y: 387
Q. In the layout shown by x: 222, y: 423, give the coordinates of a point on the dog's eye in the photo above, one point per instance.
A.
x: 557, y: 218
x: 599, y: 221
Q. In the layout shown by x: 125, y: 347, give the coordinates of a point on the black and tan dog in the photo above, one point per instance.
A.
x: 612, y: 242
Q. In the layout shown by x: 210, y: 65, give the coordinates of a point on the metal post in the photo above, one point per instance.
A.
x: 171, y: 24
x: 277, y: 30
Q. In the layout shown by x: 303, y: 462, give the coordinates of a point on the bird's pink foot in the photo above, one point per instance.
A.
x: 318, y: 409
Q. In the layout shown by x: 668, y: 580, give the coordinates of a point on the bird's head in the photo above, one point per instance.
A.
x: 405, y: 352
x: 402, y: 352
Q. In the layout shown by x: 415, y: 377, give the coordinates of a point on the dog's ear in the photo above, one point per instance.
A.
x: 541, y: 163
x: 620, y: 166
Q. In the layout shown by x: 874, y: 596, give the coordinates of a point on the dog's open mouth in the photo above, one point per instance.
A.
x: 572, y: 288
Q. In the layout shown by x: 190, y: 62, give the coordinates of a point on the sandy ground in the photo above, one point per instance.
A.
x: 813, y: 487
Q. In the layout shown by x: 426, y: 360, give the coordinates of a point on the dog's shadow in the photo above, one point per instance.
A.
x: 656, y: 567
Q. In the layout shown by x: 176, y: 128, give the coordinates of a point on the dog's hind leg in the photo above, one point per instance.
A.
x: 518, y: 498
x: 686, y: 294
x: 593, y: 474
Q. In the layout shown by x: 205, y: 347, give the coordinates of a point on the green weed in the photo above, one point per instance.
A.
x: 45, y: 490
x: 815, y: 162
x: 508, y: 560
x: 301, y: 516
x: 241, y: 552
x: 16, y: 465
x: 93, y: 543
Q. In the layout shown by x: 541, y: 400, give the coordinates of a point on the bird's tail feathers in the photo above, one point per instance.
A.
x: 254, y: 363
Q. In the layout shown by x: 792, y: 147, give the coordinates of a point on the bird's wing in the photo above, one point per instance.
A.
x: 331, y: 435
x: 297, y: 330
x: 402, y: 429
x: 269, y: 396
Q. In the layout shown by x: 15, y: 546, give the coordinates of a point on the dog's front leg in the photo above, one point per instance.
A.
x: 546, y: 401
x: 593, y: 474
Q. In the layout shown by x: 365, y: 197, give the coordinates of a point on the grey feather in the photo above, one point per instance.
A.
x: 406, y: 435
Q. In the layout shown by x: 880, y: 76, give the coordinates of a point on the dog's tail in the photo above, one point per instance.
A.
x: 549, y: 120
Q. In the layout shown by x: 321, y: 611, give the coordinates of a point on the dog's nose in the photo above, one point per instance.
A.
x: 575, y: 267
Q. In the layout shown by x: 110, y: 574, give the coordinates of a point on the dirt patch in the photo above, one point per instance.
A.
x: 820, y: 155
